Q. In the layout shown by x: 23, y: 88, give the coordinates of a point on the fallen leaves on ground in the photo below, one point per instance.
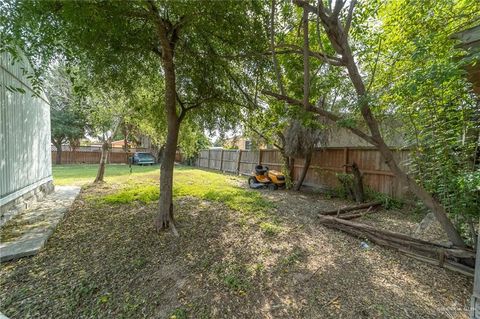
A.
x: 107, y: 261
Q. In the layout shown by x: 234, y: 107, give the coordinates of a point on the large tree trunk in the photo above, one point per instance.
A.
x: 429, y: 201
x: 339, y: 40
x: 168, y: 36
x: 306, y: 165
x: 103, y: 161
x: 165, y: 217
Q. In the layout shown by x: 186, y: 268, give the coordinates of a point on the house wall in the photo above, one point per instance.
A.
x: 25, y: 153
x: 237, y: 142
x: 244, y: 143
x: 392, y: 132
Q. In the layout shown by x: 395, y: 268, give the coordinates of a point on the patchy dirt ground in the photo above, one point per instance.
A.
x: 106, y: 261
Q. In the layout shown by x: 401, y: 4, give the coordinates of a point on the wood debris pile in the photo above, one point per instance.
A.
x: 447, y: 256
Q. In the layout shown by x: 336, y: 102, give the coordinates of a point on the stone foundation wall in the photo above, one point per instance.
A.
x: 25, y: 201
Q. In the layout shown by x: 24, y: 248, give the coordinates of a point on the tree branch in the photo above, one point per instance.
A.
x: 375, y: 66
x: 307, y: 6
x: 182, y: 105
x: 162, y: 31
x: 348, y: 22
x: 320, y: 6
x: 321, y: 112
x: 185, y: 108
x: 272, y: 48
x: 338, y: 7
x: 318, y: 55
x: 306, y: 62
x: 265, y: 138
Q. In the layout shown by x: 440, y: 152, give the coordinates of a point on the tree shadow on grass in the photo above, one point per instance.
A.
x: 109, y: 262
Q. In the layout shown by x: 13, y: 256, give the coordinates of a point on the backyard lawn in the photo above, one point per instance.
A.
x: 81, y: 174
x: 241, y: 254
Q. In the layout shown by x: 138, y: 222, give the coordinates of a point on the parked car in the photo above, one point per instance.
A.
x: 140, y: 158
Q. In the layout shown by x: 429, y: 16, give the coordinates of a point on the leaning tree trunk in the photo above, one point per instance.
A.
x: 433, y: 204
x: 103, y: 161
x: 339, y: 40
x: 306, y: 165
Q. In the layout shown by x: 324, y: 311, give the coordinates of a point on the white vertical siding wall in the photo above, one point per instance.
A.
x: 25, y: 159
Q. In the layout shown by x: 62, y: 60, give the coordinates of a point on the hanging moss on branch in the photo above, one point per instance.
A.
x: 301, y: 141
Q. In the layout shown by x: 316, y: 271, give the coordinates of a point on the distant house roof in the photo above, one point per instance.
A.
x: 470, y: 41
x: 119, y: 143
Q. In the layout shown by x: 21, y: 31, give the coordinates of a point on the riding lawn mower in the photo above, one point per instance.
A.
x: 266, y: 178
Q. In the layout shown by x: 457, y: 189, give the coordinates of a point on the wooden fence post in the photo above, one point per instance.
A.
x: 208, y: 165
x: 221, y: 161
x: 238, y: 161
x: 345, y: 159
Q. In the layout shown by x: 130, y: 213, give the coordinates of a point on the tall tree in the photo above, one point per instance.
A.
x: 434, y: 103
x: 189, y: 45
x: 336, y: 22
x: 107, y: 112
x: 68, y: 121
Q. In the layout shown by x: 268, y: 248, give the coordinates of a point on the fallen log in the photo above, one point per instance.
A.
x: 398, y: 237
x: 433, y: 253
x: 355, y: 215
x: 350, y: 208
x: 448, y: 264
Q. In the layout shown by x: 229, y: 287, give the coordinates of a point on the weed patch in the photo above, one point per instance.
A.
x: 141, y: 193
x: 179, y: 313
x: 296, y: 256
x: 270, y: 229
x: 215, y: 187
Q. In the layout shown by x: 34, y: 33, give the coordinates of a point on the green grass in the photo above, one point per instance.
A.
x: 296, y: 256
x: 179, y: 313
x: 220, y: 188
x: 270, y: 229
x: 227, y: 189
x: 141, y: 193
x: 142, y: 185
x: 81, y: 174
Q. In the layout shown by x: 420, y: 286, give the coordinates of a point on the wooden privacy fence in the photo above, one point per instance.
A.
x: 69, y: 157
x: 326, y: 163
x: 90, y: 155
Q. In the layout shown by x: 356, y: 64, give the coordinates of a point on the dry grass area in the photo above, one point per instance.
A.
x: 232, y: 260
